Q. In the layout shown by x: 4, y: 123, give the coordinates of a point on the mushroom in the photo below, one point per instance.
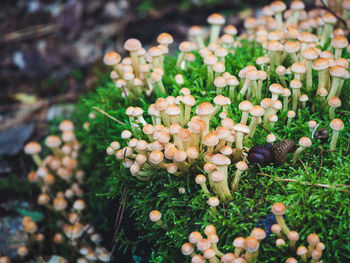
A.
x: 201, y: 179
x: 33, y: 149
x: 196, y: 33
x: 258, y: 233
x: 277, y: 7
x: 337, y: 72
x: 241, y: 129
x: 321, y: 65
x: 222, y: 162
x: 339, y: 43
x: 312, y: 126
x: 189, y: 102
x: 187, y: 249
x: 232, y: 82
x: 299, y: 70
x: 132, y: 45
x: 245, y: 106
x: 295, y: 84
x: 278, y: 209
x: 257, y: 112
x: 293, y: 237
x: 333, y: 103
x: 241, y: 167
x: 213, y: 202
x: 214, y: 239
x: 286, y: 94
x: 313, y: 240
x: 304, y: 143
x: 205, y: 110
x: 184, y: 48
x: 330, y: 20
x: 228, y: 258
x: 251, y: 245
x: 155, y: 216
x: 238, y: 243
x: 195, y: 237
x: 303, y: 100
x: 216, y: 21
x: 276, y: 229
x: 281, y: 71
x: 302, y: 251
x: 280, y: 243
x: 336, y: 125
x: 310, y: 54
x: 219, y: 83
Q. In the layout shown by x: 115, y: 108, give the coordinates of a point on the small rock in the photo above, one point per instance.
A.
x: 12, y: 140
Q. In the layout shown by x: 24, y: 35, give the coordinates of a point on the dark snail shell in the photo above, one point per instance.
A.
x: 322, y: 134
x: 281, y: 149
x: 261, y: 155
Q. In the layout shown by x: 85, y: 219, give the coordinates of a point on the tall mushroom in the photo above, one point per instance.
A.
x: 336, y: 125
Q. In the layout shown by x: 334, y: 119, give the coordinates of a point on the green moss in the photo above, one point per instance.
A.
x: 310, y: 208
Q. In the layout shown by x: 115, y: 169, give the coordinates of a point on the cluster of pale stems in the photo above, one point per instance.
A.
x: 61, y: 184
x: 246, y: 249
x: 179, y: 133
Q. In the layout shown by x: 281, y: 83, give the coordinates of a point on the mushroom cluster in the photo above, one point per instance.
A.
x: 179, y: 130
x: 246, y: 249
x: 61, y: 183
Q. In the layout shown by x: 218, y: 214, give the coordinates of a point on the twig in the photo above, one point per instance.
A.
x: 276, y: 178
x: 109, y: 116
x: 347, y: 147
x: 261, y: 126
x: 324, y: 6
x: 321, y: 161
x: 33, y: 31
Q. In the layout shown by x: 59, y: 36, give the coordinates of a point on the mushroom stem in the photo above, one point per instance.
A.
x: 217, y: 251
x: 234, y: 185
x: 238, y: 251
x: 308, y: 74
x: 331, y: 113
x: 284, y: 227
x: 161, y: 224
x: 239, y: 146
x: 180, y: 58
x: 205, y: 189
x: 224, y: 185
x: 251, y: 256
x: 210, y: 75
x: 321, y: 79
x: 161, y: 87
x: 232, y: 92
x: 334, y: 88
x: 214, y: 33
x: 326, y: 33
x: 36, y: 158
x: 135, y: 62
x: 244, y: 89
x: 295, y: 99
x: 333, y: 143
x: 297, y: 153
x: 187, y: 114
x: 285, y: 103
x: 252, y: 126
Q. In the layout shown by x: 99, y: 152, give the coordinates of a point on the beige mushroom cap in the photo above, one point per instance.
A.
x: 32, y: 148
x: 155, y: 215
x: 241, y: 127
x: 216, y: 19
x: 132, y: 44
x: 305, y: 142
x: 337, y: 124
